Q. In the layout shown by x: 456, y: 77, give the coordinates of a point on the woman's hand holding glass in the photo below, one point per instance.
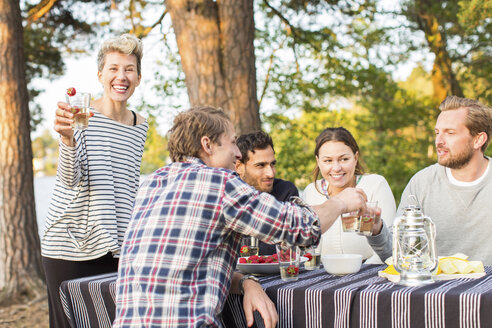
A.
x: 353, y: 199
x: 63, y: 123
x: 365, y: 222
x: 378, y: 223
x: 350, y: 199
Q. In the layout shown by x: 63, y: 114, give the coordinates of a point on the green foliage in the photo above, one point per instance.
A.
x: 316, y: 56
x: 45, y: 153
x: 66, y: 28
x: 466, y: 27
x: 320, y: 64
x: 155, y: 151
x: 474, y: 12
x: 488, y: 152
x: 398, y: 132
x: 42, y: 60
x: 170, y: 82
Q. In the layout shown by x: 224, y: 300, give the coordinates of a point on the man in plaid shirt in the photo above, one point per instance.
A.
x: 181, y: 247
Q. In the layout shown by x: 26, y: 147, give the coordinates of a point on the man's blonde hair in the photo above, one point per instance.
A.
x: 190, y: 126
x: 126, y: 44
x: 478, y: 117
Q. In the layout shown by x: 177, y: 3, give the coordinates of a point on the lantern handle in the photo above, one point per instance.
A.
x: 413, y: 203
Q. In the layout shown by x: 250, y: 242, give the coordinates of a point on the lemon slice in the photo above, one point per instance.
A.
x: 463, y: 267
x: 391, y: 270
x: 447, y: 266
x: 477, y: 266
x: 454, y: 258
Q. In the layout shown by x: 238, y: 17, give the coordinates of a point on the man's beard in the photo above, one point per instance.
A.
x: 256, y: 184
x: 459, y: 160
x: 266, y: 189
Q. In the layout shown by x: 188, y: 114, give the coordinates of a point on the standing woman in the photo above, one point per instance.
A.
x: 97, y: 177
x: 338, y: 163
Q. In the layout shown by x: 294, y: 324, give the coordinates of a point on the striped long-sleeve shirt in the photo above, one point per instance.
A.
x: 95, y: 189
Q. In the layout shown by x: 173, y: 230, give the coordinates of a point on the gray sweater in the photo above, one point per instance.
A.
x: 462, y: 214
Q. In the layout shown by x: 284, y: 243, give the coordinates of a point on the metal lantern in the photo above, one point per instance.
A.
x: 414, y: 250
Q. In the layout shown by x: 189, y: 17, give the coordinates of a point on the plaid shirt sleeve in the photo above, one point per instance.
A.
x: 258, y: 214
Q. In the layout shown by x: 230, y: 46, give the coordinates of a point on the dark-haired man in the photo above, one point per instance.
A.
x: 257, y: 167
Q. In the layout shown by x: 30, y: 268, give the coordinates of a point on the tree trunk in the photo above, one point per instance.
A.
x: 215, y: 42
x: 21, y: 273
x: 443, y: 78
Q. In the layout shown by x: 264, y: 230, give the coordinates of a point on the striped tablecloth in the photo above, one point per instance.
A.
x: 318, y: 299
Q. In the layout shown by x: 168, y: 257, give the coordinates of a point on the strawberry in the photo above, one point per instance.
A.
x: 309, y: 256
x: 91, y: 114
x: 75, y: 110
x: 285, y: 256
x: 71, y: 92
x: 254, y: 258
x: 244, y: 250
x: 292, y: 270
x: 242, y: 260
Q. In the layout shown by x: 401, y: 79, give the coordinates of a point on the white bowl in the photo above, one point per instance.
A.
x: 341, y: 264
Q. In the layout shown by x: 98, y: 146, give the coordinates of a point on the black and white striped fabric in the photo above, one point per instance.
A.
x: 95, y: 190
x: 319, y: 299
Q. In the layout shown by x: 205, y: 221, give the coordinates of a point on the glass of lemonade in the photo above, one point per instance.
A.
x: 350, y: 221
x: 367, y: 219
x: 80, y: 103
x: 288, y: 261
x: 249, y: 246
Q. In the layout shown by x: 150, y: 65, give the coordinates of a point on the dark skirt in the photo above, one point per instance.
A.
x: 57, y: 271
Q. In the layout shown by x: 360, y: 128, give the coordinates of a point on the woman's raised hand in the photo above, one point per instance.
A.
x: 63, y: 123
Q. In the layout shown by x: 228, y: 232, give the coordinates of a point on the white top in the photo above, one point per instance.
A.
x: 334, y: 240
x: 456, y: 182
x: 95, y: 189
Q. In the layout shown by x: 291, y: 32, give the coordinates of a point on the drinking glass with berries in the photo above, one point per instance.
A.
x: 289, y: 261
x: 79, y: 103
x: 249, y: 246
x: 313, y: 255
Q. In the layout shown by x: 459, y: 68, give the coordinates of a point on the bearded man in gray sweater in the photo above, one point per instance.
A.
x: 456, y: 192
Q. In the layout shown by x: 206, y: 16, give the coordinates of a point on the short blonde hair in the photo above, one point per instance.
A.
x: 190, y: 126
x: 126, y: 44
x: 478, y: 117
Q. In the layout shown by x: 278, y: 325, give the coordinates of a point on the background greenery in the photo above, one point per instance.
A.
x: 319, y: 64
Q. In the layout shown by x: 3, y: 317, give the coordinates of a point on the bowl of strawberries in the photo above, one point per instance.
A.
x: 261, y: 264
